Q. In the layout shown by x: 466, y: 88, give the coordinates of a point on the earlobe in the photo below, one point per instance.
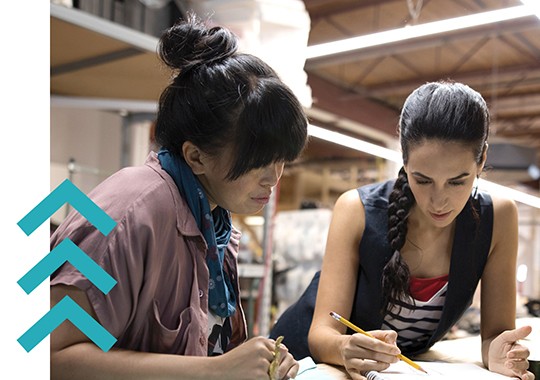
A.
x: 484, y: 158
x: 193, y: 157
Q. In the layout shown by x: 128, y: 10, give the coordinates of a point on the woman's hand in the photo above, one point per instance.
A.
x: 288, y: 366
x: 508, y: 357
x: 251, y: 361
x: 361, y: 353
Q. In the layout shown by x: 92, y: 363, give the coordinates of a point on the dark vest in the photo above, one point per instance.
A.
x: 472, y: 241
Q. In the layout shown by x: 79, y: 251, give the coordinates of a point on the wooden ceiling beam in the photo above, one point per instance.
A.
x: 518, y: 102
x: 474, y: 78
x: 326, y: 8
x: 533, y: 134
x: 332, y: 98
x: 530, y: 50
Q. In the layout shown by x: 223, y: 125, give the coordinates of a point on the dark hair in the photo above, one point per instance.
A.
x: 444, y: 111
x: 220, y: 98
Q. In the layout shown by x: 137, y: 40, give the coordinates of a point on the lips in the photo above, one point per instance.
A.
x: 262, y: 199
x: 440, y: 216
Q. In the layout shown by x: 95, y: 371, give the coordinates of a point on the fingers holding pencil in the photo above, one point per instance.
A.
x: 361, y: 353
x: 378, y: 346
x: 375, y: 350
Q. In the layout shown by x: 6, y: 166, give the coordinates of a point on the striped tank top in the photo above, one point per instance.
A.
x: 415, y: 323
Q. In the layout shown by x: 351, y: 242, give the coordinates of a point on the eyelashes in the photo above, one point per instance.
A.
x: 451, y: 183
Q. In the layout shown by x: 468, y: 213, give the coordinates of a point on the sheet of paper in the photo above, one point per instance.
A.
x: 438, y: 370
x: 308, y: 370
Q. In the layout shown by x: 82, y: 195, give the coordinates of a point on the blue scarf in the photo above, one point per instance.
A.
x: 214, y: 225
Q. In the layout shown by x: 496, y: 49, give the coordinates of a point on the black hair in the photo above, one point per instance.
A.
x: 444, y: 111
x: 222, y: 98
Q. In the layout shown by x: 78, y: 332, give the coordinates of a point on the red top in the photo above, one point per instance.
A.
x: 422, y: 289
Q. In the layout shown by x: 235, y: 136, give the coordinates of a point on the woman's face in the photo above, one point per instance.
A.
x: 245, y: 195
x: 441, y: 176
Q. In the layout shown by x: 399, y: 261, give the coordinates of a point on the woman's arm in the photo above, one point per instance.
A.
x: 74, y: 356
x: 498, y: 285
x: 337, y: 286
x: 498, y: 296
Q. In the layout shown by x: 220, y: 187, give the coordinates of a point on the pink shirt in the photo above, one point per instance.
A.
x: 157, y: 255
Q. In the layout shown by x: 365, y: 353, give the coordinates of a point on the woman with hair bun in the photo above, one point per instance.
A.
x: 403, y: 258
x: 226, y: 125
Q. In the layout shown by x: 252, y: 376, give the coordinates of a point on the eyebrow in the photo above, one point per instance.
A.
x: 462, y: 175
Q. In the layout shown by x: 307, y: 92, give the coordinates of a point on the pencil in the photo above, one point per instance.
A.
x: 359, y: 330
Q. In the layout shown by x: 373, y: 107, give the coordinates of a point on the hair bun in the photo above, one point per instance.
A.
x: 191, y: 43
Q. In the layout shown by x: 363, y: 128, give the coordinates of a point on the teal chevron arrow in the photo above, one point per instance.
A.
x: 67, y: 251
x: 66, y: 192
x: 67, y: 309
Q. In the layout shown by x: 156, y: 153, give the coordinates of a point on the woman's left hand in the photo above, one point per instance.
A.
x: 288, y: 366
x: 508, y: 357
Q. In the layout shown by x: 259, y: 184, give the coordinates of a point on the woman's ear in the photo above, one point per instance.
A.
x: 194, y: 157
x: 484, y: 158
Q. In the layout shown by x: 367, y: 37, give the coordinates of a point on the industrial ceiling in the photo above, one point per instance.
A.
x: 358, y: 93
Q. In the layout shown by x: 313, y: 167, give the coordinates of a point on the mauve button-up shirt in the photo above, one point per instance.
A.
x: 157, y: 255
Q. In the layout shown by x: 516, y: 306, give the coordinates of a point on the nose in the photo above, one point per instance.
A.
x: 271, y: 174
x: 439, y: 199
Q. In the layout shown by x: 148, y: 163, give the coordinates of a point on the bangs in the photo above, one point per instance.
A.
x: 272, y: 127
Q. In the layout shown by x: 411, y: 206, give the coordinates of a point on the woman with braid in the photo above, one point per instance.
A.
x: 404, y: 257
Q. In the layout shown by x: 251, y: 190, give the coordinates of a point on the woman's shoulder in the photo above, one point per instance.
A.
x: 140, y: 190
x: 505, y: 216
x: 503, y: 206
x: 376, y: 194
x: 349, y: 212
x: 349, y: 201
x: 131, y: 184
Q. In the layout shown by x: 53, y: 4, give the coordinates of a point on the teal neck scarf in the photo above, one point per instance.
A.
x: 214, y: 225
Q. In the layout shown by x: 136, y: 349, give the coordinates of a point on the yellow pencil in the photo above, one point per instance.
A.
x: 359, y: 330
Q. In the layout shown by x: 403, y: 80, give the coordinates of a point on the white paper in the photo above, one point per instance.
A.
x: 438, y: 370
x: 308, y: 370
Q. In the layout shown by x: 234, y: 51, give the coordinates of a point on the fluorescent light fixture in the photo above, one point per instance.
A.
x: 353, y: 143
x: 395, y: 156
x: 410, y: 32
x: 516, y: 195
x: 533, y: 5
x: 104, y: 104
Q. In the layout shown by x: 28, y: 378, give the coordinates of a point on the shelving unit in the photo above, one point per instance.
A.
x: 98, y: 59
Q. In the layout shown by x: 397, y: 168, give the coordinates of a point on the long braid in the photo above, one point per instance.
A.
x: 395, y: 276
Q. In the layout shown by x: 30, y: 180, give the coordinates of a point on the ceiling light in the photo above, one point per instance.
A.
x: 410, y: 32
x: 505, y: 191
x: 395, y: 156
x: 353, y: 143
x: 533, y: 5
